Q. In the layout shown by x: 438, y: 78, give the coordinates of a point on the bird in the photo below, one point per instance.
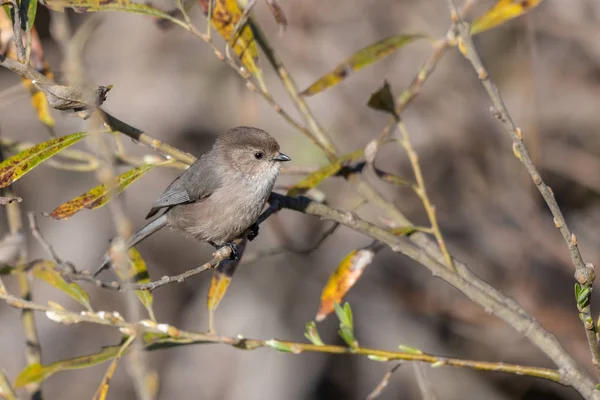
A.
x: 221, y: 194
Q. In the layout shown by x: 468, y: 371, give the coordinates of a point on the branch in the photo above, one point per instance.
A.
x: 168, y: 334
x: 584, y: 273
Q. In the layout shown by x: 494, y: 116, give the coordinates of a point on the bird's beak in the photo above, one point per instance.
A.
x: 281, y: 157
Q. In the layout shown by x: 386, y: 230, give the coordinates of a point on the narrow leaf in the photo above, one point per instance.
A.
x: 108, y: 5
x: 138, y: 273
x: 226, y: 14
x: 404, y: 230
x: 312, y: 334
x: 383, y: 100
x: 45, y: 271
x: 503, y: 11
x: 360, y: 59
x: 342, y: 280
x: 36, y: 373
x: 20, y: 164
x: 313, y: 180
x: 409, y: 349
x: 100, y: 195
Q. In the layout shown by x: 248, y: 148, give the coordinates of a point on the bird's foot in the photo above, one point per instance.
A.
x: 235, y: 252
x: 253, y: 232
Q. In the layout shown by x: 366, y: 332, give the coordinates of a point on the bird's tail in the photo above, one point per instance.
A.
x: 150, y: 228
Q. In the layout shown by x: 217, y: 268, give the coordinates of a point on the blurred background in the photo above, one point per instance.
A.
x: 170, y: 84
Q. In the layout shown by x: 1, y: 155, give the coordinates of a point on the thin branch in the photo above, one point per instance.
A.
x: 421, y: 191
x: 383, y: 383
x: 6, y: 390
x: 32, y: 341
x: 584, y: 273
x: 174, y: 335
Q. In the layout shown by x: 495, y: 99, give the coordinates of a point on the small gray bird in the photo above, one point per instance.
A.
x: 222, y: 194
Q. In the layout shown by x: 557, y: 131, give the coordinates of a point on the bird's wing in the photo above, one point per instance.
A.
x: 195, y: 184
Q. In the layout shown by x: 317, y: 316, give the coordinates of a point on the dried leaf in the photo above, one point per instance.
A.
x: 383, y: 100
x: 100, y: 195
x: 36, y: 373
x: 45, y: 271
x: 503, y: 11
x: 20, y: 164
x: 359, y: 60
x: 313, y: 180
x: 342, y: 280
x: 138, y: 273
x: 226, y: 14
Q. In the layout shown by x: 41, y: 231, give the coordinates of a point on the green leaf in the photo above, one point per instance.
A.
x: 45, y: 271
x: 36, y: 373
x: 409, y: 350
x: 100, y: 195
x: 360, y: 59
x: 583, y: 297
x: 404, y: 230
x: 108, y: 5
x: 314, y: 179
x: 383, y: 100
x: 312, y: 334
x: 279, y: 346
x: 20, y: 164
x: 138, y: 273
x: 28, y: 9
x: 377, y: 358
x: 346, y: 332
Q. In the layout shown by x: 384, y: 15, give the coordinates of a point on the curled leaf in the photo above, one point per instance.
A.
x: 35, y: 373
x: 383, y: 100
x: 346, y: 332
x: 360, y: 59
x: 20, y: 164
x: 503, y: 11
x: 100, y: 195
x: 344, y: 277
x: 313, y: 180
x: 45, y: 271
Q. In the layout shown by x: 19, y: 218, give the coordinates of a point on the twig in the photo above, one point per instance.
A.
x: 176, y: 336
x: 383, y: 383
x: 17, y: 32
x: 104, y: 385
x: 584, y: 273
x: 421, y: 191
x: 439, y: 50
x: 32, y: 341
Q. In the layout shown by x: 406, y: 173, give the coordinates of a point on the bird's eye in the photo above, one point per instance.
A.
x: 258, y: 155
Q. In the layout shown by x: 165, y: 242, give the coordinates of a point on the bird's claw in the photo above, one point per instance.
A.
x: 235, y: 251
x: 253, y: 232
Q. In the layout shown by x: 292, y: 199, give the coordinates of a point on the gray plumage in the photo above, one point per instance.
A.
x: 222, y: 194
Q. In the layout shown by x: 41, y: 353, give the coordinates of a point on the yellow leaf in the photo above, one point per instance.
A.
x: 45, y: 271
x: 138, y: 273
x: 313, y: 180
x: 344, y: 277
x: 503, y: 10
x: 226, y: 14
x: 20, y: 164
x: 99, y: 196
x: 360, y: 59
x: 35, y: 373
